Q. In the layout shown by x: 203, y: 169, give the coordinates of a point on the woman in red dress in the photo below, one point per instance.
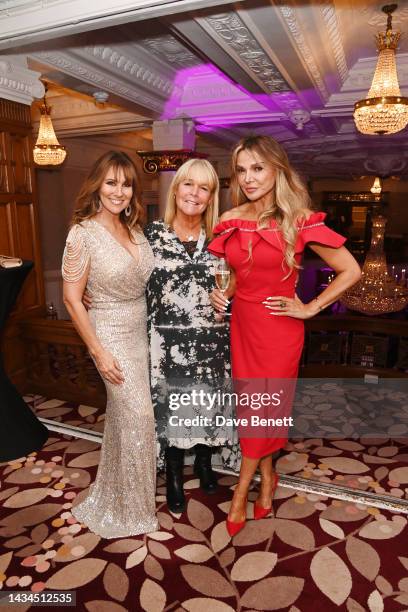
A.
x: 263, y: 238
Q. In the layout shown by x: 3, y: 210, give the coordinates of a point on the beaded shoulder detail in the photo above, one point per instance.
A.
x: 315, y: 220
x: 76, y: 258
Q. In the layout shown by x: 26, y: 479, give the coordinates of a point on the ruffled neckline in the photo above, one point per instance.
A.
x: 316, y: 217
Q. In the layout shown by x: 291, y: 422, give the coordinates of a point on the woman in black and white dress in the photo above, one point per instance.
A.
x: 188, y: 345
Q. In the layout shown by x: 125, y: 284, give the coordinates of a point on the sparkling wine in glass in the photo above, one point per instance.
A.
x: 222, y: 277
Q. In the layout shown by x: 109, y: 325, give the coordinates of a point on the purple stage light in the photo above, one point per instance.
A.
x: 206, y: 94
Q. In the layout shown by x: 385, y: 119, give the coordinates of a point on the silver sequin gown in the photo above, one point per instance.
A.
x: 121, y: 501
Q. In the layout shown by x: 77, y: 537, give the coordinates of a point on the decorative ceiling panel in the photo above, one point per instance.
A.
x: 169, y: 49
x: 288, y: 68
x: 100, y: 78
x: 239, y: 40
x: 293, y: 23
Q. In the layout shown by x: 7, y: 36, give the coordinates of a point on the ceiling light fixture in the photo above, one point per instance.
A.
x: 376, y: 292
x: 100, y: 97
x: 384, y: 111
x: 376, y: 186
x: 299, y: 117
x: 47, y: 150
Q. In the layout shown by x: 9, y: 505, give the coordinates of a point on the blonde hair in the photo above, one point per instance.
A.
x: 289, y: 196
x: 87, y: 202
x: 203, y: 172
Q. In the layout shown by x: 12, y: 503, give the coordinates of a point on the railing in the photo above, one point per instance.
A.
x: 59, y: 366
x: 350, y: 347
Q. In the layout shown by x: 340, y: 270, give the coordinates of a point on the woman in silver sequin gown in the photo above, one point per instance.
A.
x: 107, y: 254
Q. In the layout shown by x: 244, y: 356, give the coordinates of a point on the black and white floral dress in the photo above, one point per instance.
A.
x: 188, y: 346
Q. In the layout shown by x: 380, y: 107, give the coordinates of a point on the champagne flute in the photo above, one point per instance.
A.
x: 222, y: 279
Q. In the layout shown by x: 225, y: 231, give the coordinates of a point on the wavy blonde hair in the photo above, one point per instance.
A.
x: 289, y: 196
x: 87, y: 202
x: 201, y: 171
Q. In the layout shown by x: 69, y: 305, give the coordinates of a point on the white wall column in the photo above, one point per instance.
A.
x: 172, y: 135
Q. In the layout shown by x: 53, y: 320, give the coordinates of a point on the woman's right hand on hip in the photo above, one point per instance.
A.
x: 109, y: 367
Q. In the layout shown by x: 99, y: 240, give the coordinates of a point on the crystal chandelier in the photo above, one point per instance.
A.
x: 384, y: 111
x: 47, y: 150
x: 376, y: 292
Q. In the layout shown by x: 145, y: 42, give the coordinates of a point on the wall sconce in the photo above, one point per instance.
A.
x: 376, y: 186
x: 100, y: 97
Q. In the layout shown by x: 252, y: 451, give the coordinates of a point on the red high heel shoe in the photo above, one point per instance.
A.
x: 259, y: 511
x: 233, y: 528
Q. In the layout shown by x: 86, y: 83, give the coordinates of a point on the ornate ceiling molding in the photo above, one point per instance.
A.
x: 376, y: 19
x: 68, y: 63
x: 343, y: 155
x: 129, y: 67
x: 236, y: 38
x: 168, y: 49
x: 26, y: 21
x: 288, y: 102
x: 385, y: 165
x: 240, y: 118
x: 196, y: 91
x: 74, y: 117
x: 361, y: 74
x: 305, y: 53
x: 18, y: 83
x: 287, y: 55
x: 332, y: 26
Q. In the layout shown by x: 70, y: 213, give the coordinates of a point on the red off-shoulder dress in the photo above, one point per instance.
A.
x: 264, y: 346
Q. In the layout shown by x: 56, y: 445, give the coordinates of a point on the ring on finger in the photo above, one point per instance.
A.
x: 282, y: 304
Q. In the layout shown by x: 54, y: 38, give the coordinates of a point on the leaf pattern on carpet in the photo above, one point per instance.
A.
x: 313, y: 552
x: 351, y: 462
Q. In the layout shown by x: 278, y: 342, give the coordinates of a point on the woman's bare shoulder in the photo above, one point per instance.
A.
x: 228, y: 214
x: 234, y: 213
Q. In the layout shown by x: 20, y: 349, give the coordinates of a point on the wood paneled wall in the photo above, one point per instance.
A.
x: 60, y: 366
x: 19, y: 229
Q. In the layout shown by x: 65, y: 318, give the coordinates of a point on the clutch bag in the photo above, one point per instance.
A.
x: 7, y: 261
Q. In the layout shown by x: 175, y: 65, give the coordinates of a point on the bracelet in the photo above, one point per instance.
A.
x: 320, y: 307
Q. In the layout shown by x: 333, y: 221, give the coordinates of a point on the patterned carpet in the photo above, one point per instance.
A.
x: 314, y: 553
x: 379, y: 464
x: 68, y: 413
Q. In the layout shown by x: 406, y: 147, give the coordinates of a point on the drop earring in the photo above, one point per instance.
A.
x: 128, y: 210
x: 99, y: 206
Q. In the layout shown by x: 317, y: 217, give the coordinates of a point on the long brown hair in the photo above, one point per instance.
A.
x: 87, y: 202
x: 289, y: 197
x: 203, y: 172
